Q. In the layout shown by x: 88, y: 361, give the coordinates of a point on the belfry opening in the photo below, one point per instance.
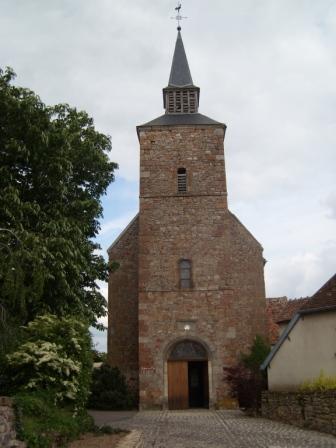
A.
x: 188, y: 376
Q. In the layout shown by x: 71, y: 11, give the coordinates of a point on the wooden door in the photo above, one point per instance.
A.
x: 178, y: 389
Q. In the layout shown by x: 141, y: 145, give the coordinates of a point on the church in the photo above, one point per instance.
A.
x: 187, y: 295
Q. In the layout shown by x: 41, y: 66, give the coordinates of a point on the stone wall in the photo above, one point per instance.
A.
x: 312, y: 410
x: 7, y: 425
x: 225, y: 307
x: 123, y: 305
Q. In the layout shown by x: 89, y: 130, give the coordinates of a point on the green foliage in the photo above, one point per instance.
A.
x: 99, y: 356
x: 54, y: 168
x: 56, y: 357
x: 320, y: 384
x: 109, y: 390
x: 43, y: 425
x: 246, y: 379
x: 11, y: 336
x: 258, y: 352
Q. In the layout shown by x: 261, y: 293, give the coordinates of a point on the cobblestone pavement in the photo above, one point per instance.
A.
x: 214, y: 429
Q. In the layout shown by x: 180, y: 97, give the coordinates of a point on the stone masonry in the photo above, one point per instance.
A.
x: 7, y: 425
x: 226, y: 304
x: 123, y: 305
x: 312, y: 410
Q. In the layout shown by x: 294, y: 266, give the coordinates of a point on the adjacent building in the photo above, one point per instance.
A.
x: 307, y: 345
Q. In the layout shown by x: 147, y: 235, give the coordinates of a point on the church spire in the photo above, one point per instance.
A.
x: 180, y: 75
x: 181, y: 96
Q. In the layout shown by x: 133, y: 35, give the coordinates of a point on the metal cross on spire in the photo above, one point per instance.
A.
x: 178, y: 16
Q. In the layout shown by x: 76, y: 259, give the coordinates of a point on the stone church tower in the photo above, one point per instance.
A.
x: 188, y: 295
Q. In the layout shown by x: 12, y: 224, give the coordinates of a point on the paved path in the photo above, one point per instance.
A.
x: 212, y: 429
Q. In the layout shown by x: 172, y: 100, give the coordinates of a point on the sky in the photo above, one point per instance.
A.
x: 266, y: 68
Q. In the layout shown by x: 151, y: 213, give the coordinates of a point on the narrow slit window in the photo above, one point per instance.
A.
x: 178, y: 101
x: 182, y: 180
x: 171, y: 102
x: 185, y: 101
x: 185, y: 274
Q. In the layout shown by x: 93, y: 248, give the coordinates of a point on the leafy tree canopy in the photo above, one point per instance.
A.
x: 54, y: 168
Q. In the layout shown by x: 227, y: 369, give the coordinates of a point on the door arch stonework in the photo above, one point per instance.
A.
x: 188, y: 349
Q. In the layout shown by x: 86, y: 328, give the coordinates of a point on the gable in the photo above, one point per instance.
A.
x: 244, y: 231
x: 124, y: 234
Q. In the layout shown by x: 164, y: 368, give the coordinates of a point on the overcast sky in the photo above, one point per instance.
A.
x: 266, y: 68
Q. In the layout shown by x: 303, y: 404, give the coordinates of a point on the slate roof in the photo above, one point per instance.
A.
x: 180, y: 75
x: 182, y: 119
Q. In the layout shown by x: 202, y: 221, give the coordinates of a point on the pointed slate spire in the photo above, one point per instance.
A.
x: 180, y: 75
x: 181, y: 96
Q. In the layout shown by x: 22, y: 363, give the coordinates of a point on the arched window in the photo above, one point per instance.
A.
x: 185, y: 274
x: 188, y: 350
x: 182, y: 180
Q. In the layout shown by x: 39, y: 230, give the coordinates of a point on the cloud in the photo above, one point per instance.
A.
x: 116, y: 224
x: 267, y: 69
x: 303, y: 273
x: 330, y: 203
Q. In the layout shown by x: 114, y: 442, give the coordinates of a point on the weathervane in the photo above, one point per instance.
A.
x: 178, y: 16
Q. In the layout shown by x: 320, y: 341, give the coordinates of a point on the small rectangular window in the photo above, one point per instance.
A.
x: 182, y: 180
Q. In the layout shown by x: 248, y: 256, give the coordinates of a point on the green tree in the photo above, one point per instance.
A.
x: 54, y: 168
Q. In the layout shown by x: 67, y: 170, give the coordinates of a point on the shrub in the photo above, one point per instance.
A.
x: 99, y: 356
x: 109, y: 390
x: 55, y: 357
x: 258, y: 352
x: 319, y: 384
x: 42, y: 425
x: 245, y: 379
x: 10, y: 339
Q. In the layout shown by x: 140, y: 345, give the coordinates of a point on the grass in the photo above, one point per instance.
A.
x: 41, y: 423
x: 320, y: 384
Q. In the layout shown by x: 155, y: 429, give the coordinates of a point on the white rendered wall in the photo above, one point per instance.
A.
x: 311, y: 346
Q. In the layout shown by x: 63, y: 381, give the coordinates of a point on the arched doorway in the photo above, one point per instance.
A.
x: 188, y: 383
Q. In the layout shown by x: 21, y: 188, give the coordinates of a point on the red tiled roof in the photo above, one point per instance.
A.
x: 324, y: 298
x: 281, y: 310
x: 274, y: 307
x: 291, y: 308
